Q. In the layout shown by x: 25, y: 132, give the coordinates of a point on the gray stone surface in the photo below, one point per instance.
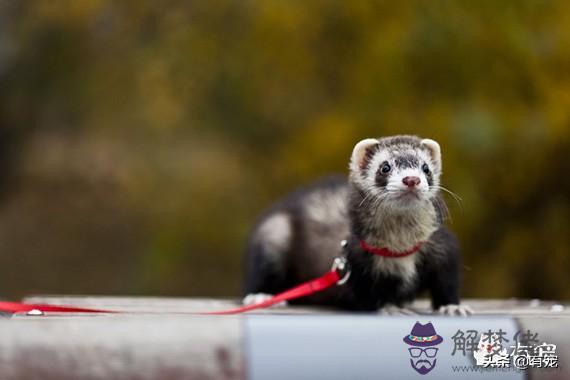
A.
x: 172, y: 305
x: 552, y: 329
x: 163, y: 338
x: 141, y: 347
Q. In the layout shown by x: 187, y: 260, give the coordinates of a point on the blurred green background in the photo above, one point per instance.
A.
x: 139, y: 140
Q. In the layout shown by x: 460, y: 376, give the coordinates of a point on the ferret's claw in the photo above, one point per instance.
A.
x: 397, y: 311
x: 455, y: 310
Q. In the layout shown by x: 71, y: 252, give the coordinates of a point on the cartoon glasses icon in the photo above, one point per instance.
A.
x: 416, y: 352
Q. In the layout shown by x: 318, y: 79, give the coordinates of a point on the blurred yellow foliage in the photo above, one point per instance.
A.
x: 139, y: 140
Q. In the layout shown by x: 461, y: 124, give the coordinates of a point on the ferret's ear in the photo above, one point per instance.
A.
x: 434, y: 151
x: 361, y: 154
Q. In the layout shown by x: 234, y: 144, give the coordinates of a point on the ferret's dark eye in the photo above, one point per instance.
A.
x: 385, y: 168
x: 425, y: 169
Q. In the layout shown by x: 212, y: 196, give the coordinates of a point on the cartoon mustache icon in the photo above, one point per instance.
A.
x: 423, y: 366
x: 427, y: 364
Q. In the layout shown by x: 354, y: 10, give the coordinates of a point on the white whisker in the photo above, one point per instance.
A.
x: 456, y: 197
x: 364, y: 199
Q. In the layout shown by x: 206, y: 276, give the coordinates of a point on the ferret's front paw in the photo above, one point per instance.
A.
x: 396, y: 311
x: 255, y: 298
x: 452, y: 309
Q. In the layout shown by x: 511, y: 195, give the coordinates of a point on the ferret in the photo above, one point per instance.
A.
x: 389, y: 213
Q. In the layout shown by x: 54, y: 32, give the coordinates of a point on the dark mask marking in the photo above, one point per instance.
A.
x: 381, y: 178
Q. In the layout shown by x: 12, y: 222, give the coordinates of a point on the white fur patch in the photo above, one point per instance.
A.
x: 396, y: 180
x: 403, y: 267
x: 275, y: 234
x: 326, y: 205
x: 256, y: 298
x: 455, y: 310
x: 414, y: 226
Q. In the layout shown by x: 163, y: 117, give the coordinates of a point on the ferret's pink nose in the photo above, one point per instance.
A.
x: 411, y: 181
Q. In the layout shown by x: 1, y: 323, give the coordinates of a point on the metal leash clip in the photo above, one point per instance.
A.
x: 340, y: 265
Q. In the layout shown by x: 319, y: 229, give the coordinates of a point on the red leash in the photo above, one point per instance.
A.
x: 338, y: 275
x: 311, y: 287
x: 17, y: 307
x: 385, y: 252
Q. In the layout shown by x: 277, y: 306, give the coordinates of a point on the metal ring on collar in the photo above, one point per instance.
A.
x: 340, y: 265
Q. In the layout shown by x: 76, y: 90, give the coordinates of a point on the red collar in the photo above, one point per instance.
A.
x: 385, y: 252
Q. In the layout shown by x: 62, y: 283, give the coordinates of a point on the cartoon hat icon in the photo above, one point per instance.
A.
x: 423, y: 336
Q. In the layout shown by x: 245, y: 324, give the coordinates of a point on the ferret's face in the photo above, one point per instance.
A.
x: 397, y: 173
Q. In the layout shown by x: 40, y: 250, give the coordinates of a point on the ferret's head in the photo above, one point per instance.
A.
x: 402, y: 171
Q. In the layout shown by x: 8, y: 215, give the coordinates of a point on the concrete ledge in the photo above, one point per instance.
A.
x: 161, y: 338
x: 121, y: 347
